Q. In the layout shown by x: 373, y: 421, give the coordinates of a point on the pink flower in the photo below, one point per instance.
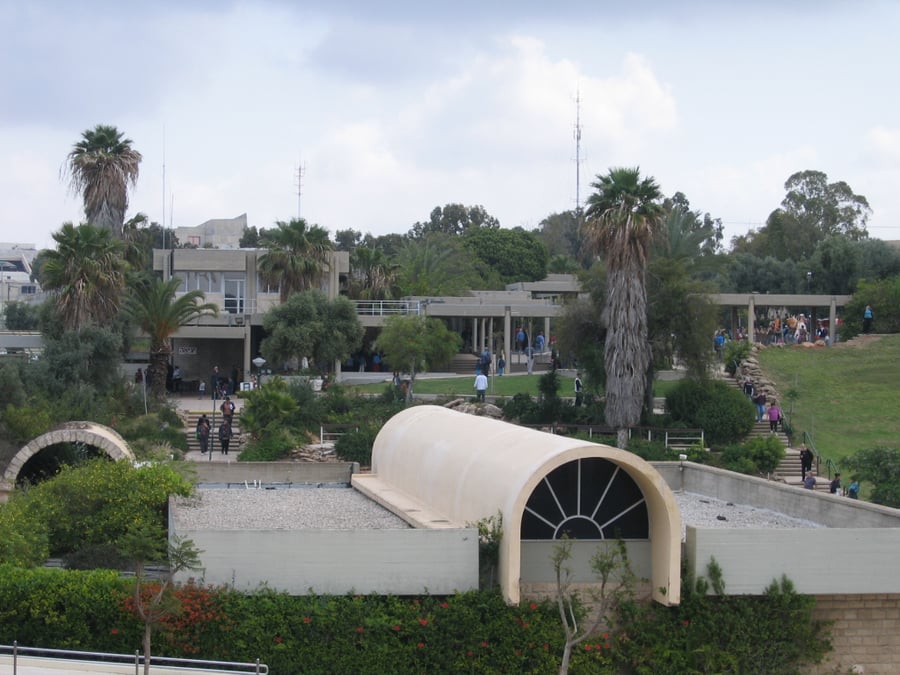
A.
x: 421, y: 645
x: 278, y: 640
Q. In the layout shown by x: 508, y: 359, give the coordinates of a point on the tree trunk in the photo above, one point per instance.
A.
x: 147, y: 631
x: 622, y: 439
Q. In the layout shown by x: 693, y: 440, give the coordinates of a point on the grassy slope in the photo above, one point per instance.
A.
x: 849, y: 394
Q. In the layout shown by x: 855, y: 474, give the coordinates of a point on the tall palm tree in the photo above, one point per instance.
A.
x: 623, y: 216
x: 101, y: 167
x: 153, y: 307
x: 87, y: 274
x: 297, y: 257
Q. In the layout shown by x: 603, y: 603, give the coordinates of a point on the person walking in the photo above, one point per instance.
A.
x: 760, y: 400
x: 806, y: 459
x: 481, y: 385
x: 227, y: 409
x: 868, y: 316
x: 203, y: 429
x: 579, y: 390
x: 225, y: 435
x: 774, y: 417
x: 501, y: 365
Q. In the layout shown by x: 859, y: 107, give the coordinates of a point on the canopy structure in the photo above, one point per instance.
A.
x: 440, y: 468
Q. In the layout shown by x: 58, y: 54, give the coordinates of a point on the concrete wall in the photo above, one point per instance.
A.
x: 399, y: 562
x: 822, y: 508
x: 865, y: 633
x: 537, y: 564
x: 817, y: 561
x: 275, y: 472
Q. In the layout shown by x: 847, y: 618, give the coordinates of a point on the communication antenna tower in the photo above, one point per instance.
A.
x: 577, y: 135
x: 301, y: 172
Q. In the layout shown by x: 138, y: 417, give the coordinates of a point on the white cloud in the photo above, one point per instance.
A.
x: 884, y: 143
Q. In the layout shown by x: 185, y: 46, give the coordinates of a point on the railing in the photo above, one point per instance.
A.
x: 386, y: 307
x: 673, y: 438
x: 255, y: 668
x: 808, y: 442
x: 332, y: 432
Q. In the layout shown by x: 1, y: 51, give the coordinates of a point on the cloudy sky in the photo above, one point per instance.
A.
x: 392, y: 110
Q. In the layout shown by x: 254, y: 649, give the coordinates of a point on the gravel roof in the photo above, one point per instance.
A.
x: 330, y: 508
x: 702, y: 511
x: 343, y: 508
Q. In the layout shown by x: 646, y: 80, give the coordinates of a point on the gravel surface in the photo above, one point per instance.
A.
x: 342, y: 508
x: 702, y: 511
x: 284, y: 509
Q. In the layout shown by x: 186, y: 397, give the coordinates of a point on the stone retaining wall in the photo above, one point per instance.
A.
x: 865, y: 633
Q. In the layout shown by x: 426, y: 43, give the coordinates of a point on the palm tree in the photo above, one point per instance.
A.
x: 101, y: 167
x: 622, y: 218
x: 297, y: 257
x: 374, y: 276
x: 153, y: 307
x: 87, y: 273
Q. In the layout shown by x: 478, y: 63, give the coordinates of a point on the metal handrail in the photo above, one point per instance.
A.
x: 811, y: 446
x: 386, y: 307
x: 16, y: 650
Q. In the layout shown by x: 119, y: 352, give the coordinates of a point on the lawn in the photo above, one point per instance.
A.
x: 847, y: 394
x: 508, y: 385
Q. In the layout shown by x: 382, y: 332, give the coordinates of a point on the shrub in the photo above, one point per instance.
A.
x: 522, y: 408
x: 734, y: 353
x: 722, y: 411
x: 356, y: 445
x: 272, y: 446
x: 756, y: 456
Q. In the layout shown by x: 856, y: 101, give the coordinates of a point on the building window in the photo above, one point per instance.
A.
x: 27, y: 290
x: 590, y: 498
x: 235, y: 289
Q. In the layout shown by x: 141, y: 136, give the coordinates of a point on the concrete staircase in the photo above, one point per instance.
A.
x: 190, y: 431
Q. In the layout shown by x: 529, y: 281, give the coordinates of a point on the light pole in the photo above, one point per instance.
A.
x: 4, y: 281
x: 259, y: 362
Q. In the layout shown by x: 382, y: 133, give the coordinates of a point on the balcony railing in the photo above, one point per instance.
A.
x: 386, y: 307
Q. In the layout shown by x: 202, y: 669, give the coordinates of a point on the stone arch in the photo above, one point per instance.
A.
x: 99, y: 436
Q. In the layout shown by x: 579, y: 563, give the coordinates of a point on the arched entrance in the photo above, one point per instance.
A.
x: 96, y: 435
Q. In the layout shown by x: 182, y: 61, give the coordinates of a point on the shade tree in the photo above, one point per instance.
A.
x: 416, y: 343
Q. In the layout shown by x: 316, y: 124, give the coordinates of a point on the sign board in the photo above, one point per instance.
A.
x: 187, y: 350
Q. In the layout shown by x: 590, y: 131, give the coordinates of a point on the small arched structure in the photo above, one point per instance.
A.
x: 440, y: 468
x: 96, y: 435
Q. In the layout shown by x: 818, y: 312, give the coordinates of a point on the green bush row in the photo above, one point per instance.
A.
x: 474, y: 632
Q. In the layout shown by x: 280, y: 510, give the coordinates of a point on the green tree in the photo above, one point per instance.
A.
x: 297, y: 257
x: 516, y: 255
x: 454, y: 219
x: 21, y: 316
x: 832, y: 208
x: 438, y: 264
x: 417, y: 343
x: 153, y: 599
x: 748, y: 273
x: 86, y: 273
x: 101, y: 167
x: 373, y: 276
x: 881, y: 468
x: 309, y: 324
x: 140, y: 237
x: 623, y: 216
x: 884, y: 296
x: 559, y: 232
x: 156, y: 311
x: 347, y: 240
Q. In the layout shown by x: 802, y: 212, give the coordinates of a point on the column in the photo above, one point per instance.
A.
x: 507, y: 337
x: 832, y: 321
x: 751, y: 319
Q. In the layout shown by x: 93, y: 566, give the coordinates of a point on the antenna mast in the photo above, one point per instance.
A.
x: 577, y: 135
x: 301, y: 172
x: 163, y: 219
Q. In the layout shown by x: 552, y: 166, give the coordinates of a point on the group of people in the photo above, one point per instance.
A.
x: 225, y: 431
x: 760, y: 399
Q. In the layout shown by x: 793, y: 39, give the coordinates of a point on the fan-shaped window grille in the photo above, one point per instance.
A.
x: 589, y: 498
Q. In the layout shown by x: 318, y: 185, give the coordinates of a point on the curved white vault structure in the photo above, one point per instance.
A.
x: 438, y: 468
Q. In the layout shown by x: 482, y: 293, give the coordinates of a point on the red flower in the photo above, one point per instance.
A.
x: 687, y: 623
x: 445, y: 605
x: 532, y: 606
x: 484, y: 643
x: 397, y: 628
x: 524, y: 625
x: 588, y: 648
x: 469, y: 653
x: 278, y: 640
x: 306, y: 619
x: 546, y: 646
x: 421, y: 645
x: 114, y: 631
x: 423, y: 622
x: 359, y: 629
